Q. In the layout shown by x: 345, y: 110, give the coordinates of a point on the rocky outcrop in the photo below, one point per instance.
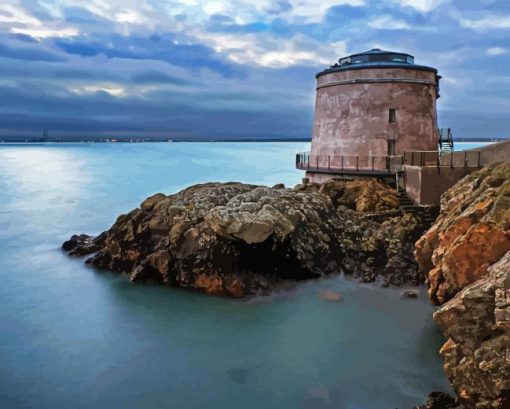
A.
x: 440, y: 400
x: 376, y: 238
x: 379, y: 245
x: 466, y: 258
x: 230, y: 239
x: 81, y: 245
x: 471, y: 233
x: 367, y: 195
x: 236, y: 239
x: 477, y: 353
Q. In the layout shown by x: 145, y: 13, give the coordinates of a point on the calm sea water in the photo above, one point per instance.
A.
x: 73, y: 337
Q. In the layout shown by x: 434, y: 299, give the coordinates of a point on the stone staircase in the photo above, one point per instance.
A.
x: 427, y: 214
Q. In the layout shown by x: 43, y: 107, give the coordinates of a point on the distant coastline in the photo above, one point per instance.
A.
x: 145, y: 140
x: 8, y: 140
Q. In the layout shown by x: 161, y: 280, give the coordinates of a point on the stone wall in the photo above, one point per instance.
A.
x: 496, y: 152
x: 352, y: 113
x: 425, y: 185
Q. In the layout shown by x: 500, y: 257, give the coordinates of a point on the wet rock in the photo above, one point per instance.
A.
x: 160, y: 262
x: 330, y: 295
x: 410, y: 294
x: 476, y: 322
x: 236, y: 239
x: 144, y: 272
x: 440, y: 400
x: 75, y: 241
x: 80, y: 245
x: 471, y: 233
x: 466, y: 258
x: 380, y: 245
x: 228, y: 239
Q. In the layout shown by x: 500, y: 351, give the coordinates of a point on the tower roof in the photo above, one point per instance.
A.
x: 376, y: 58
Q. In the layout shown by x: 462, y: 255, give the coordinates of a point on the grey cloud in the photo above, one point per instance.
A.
x: 198, y: 90
x: 155, y: 77
x: 136, y: 114
x: 25, y: 38
x: 29, y: 53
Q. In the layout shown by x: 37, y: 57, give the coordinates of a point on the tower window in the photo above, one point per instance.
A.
x: 391, y: 147
x: 393, y: 115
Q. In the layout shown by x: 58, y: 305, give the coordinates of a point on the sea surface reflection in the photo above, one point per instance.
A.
x: 74, y: 337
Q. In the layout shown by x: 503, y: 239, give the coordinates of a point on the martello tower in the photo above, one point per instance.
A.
x: 372, y: 106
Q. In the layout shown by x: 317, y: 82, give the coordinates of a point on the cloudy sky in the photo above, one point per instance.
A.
x: 234, y: 68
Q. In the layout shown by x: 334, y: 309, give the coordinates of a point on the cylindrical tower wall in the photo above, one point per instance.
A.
x: 353, y: 112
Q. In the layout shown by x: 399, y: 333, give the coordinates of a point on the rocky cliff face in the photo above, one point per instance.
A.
x: 236, y: 239
x: 477, y: 324
x: 466, y: 259
x: 471, y: 233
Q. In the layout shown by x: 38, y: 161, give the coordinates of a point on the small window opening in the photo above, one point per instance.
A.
x: 391, y: 147
x: 393, y: 115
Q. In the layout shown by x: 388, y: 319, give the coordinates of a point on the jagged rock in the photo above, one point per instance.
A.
x: 466, y: 257
x: 477, y: 324
x: 150, y: 202
x: 368, y: 195
x: 471, y: 233
x: 75, y: 241
x: 230, y: 239
x: 380, y: 246
x: 236, y: 239
x: 440, y: 400
x: 80, y: 245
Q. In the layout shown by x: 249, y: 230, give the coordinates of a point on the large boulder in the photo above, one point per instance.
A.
x: 231, y: 239
x: 236, y: 239
x: 477, y: 324
x: 471, y: 233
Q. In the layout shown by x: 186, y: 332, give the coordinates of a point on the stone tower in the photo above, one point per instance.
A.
x: 371, y: 106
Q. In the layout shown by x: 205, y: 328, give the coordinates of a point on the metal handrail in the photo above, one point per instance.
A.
x: 445, y: 137
x: 305, y: 160
x: 461, y: 159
